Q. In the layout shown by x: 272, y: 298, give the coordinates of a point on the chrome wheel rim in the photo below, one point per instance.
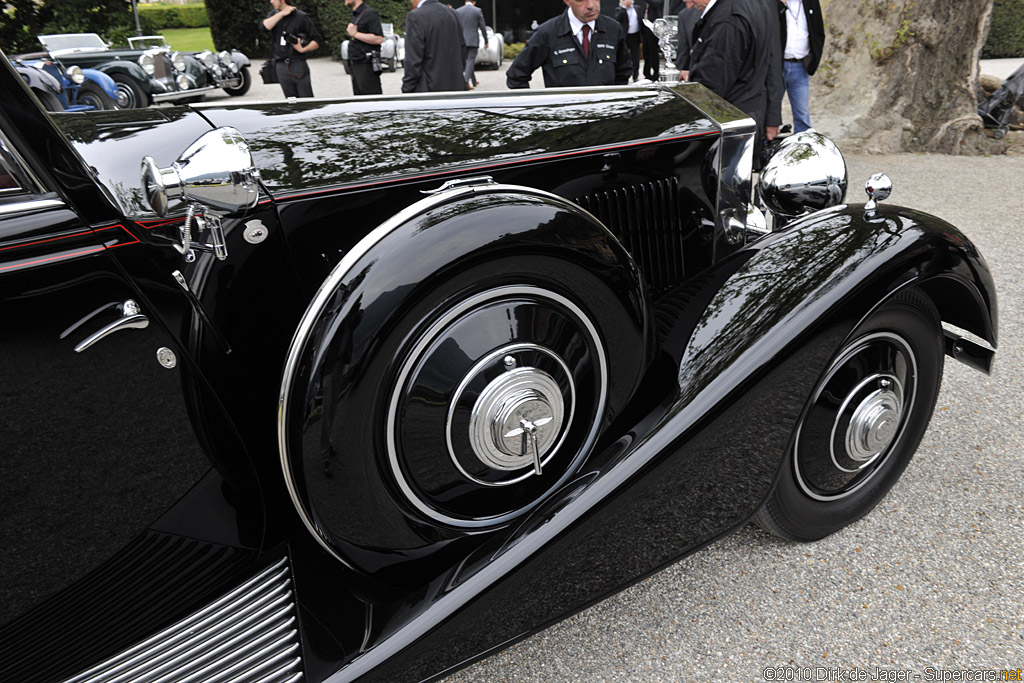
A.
x: 856, y: 418
x: 519, y: 416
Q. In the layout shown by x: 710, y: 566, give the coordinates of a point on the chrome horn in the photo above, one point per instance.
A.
x: 215, y: 175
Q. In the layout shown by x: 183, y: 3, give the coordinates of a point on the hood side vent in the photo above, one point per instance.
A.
x: 645, y: 218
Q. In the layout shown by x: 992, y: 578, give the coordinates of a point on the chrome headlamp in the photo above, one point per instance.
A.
x: 147, y: 63
x: 75, y: 75
x: 183, y: 81
x: 224, y: 56
x: 178, y: 61
x: 207, y: 57
x: 807, y: 173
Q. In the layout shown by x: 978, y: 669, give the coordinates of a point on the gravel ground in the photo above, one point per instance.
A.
x: 934, y: 577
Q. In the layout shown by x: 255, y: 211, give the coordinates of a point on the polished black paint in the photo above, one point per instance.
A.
x: 687, y: 454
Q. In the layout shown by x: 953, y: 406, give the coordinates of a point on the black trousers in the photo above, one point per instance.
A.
x: 364, y: 81
x: 293, y: 75
x: 633, y: 44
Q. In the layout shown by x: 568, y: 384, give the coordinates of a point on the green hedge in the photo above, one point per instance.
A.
x: 174, y: 16
x: 235, y: 23
x: 1006, y: 32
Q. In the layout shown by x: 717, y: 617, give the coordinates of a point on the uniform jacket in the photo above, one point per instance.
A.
x: 815, y: 32
x: 435, y: 51
x: 554, y: 49
x: 473, y: 24
x: 733, y: 52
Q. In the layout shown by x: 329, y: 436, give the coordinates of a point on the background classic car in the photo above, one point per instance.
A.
x: 80, y: 89
x: 143, y: 76
x: 227, y: 69
x: 274, y: 428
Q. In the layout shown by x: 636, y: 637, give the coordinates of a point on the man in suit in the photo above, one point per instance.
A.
x: 581, y: 46
x: 435, y: 51
x: 473, y: 26
x: 802, y: 30
x: 629, y: 22
x: 735, y: 54
x: 687, y: 18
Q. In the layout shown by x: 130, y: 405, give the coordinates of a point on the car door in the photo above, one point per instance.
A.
x: 96, y: 437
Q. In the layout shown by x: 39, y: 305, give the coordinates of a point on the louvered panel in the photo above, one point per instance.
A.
x: 645, y: 219
x: 248, y: 635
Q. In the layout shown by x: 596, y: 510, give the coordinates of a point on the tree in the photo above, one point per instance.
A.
x: 903, y: 72
x: 23, y: 20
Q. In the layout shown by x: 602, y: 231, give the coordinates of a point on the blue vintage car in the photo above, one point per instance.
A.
x: 81, y: 89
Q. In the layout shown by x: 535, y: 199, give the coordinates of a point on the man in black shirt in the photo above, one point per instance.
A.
x: 364, y: 48
x: 581, y: 46
x: 294, y: 36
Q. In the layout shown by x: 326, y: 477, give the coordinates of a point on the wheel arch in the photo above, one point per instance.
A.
x: 506, y: 220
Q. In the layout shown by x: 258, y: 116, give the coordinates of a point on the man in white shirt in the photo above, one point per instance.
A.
x: 803, y: 37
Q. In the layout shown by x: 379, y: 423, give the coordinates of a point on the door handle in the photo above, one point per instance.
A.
x: 131, y: 318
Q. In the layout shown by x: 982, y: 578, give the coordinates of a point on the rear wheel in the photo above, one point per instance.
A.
x: 48, y: 100
x: 862, y: 424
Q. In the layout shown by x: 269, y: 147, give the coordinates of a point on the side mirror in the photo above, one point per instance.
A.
x: 215, y: 171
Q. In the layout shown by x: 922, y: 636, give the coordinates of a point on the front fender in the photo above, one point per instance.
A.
x: 239, y: 58
x: 833, y: 267
x: 103, y: 80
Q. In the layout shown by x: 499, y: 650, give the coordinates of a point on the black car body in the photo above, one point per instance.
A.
x: 451, y: 369
x: 227, y: 69
x: 143, y: 76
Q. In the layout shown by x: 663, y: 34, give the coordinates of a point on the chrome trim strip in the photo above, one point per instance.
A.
x: 31, y: 205
x: 249, y: 629
x: 181, y: 94
x: 324, y: 294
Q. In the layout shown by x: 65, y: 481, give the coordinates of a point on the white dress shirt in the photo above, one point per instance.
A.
x: 576, y: 26
x: 798, y: 40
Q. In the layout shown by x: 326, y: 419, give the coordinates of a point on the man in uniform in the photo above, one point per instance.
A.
x: 364, y: 48
x: 473, y: 26
x: 435, y: 51
x: 578, y: 47
x: 293, y: 36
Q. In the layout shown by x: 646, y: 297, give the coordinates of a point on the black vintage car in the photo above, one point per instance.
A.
x: 366, y: 389
x: 144, y: 75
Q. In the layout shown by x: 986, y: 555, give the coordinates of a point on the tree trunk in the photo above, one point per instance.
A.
x: 899, y: 75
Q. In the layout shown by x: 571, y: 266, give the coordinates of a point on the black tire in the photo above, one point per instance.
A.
x: 130, y: 94
x: 862, y: 424
x: 242, y: 88
x: 92, y: 94
x: 48, y: 100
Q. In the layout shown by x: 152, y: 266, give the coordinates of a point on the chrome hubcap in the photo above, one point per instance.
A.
x: 857, y: 416
x: 516, y: 420
x: 875, y: 422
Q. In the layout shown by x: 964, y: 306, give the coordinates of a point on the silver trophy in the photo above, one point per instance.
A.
x: 667, y: 30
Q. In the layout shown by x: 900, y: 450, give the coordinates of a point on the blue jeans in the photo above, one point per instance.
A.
x: 797, y: 83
